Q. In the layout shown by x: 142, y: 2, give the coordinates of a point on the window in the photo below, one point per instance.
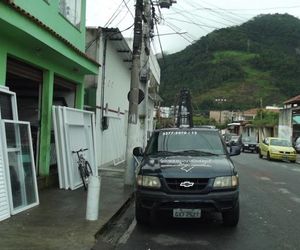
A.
x: 184, y: 140
x: 6, y: 111
x: 71, y: 9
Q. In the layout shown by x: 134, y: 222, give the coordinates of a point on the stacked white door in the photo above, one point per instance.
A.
x: 18, y: 186
x: 4, y: 201
x: 73, y: 129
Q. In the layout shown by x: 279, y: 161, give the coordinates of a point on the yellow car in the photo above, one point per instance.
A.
x: 277, y: 149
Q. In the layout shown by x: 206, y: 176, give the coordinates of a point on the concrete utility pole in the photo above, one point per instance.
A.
x: 145, y: 64
x: 140, y: 70
x: 133, y: 129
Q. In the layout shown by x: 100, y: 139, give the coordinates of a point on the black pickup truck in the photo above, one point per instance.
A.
x: 185, y: 173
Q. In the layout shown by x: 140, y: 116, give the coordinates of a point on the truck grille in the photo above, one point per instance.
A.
x: 187, y: 185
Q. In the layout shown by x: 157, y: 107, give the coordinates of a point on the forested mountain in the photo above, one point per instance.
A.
x: 258, y: 61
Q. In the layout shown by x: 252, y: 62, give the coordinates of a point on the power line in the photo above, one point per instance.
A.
x: 271, y: 8
x: 185, y: 16
x: 175, y: 33
x: 98, y: 35
x: 232, y: 14
x: 122, y: 18
x: 112, y: 16
x: 128, y: 8
x: 177, y: 29
x: 161, y: 49
x: 184, y: 21
x: 117, y: 13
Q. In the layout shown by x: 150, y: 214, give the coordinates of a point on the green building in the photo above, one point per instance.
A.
x: 42, y: 60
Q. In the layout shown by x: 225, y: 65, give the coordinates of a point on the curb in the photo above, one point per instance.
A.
x: 115, y: 216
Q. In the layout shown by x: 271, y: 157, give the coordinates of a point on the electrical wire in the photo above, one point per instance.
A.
x: 122, y: 19
x: 112, y: 16
x: 161, y: 49
x: 226, y: 11
x: 128, y: 8
x: 177, y: 29
x: 184, y: 21
x: 169, y: 34
x: 118, y: 12
x: 98, y: 35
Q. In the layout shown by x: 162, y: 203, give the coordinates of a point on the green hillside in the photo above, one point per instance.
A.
x: 257, y: 61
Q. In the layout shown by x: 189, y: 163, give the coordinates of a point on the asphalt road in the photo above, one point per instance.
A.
x: 269, y: 219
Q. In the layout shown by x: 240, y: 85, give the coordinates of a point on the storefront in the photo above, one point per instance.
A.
x: 43, y: 68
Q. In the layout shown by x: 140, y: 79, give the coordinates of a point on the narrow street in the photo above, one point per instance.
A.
x: 269, y: 199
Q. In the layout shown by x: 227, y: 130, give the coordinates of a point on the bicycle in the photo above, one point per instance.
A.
x: 84, y: 167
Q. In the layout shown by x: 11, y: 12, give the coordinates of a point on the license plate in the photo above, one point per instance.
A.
x: 186, y: 213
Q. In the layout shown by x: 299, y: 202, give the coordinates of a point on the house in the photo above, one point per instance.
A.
x: 42, y: 63
x: 43, y: 60
x: 289, y: 119
x: 107, y: 94
x: 242, y: 124
x: 221, y: 116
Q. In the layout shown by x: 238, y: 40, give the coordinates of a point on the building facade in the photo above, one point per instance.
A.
x: 107, y: 95
x: 289, y: 119
x: 43, y: 60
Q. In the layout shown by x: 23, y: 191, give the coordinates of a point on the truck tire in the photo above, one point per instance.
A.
x: 231, y: 217
x: 141, y: 215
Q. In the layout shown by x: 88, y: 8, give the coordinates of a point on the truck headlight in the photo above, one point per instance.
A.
x: 226, y: 181
x: 148, y: 181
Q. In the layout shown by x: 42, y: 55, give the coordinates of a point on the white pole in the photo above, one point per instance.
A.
x: 92, y: 206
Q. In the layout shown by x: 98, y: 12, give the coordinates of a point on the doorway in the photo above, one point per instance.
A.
x: 26, y: 81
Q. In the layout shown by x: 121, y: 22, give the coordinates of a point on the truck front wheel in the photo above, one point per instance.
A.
x: 141, y: 215
x: 231, y: 217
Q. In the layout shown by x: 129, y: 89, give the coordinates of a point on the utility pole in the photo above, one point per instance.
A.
x: 140, y: 71
x: 133, y: 129
x: 145, y: 64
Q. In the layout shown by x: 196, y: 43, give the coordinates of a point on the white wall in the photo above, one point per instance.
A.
x: 111, y: 143
x: 117, y: 86
x: 285, y: 124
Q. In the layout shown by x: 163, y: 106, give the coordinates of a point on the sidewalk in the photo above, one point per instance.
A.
x: 59, y: 221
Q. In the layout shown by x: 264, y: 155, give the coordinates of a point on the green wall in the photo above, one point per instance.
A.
x: 2, y: 66
x: 49, y: 67
x: 48, y: 13
x: 23, y: 39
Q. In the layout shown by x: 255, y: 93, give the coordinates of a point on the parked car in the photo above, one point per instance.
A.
x: 235, y: 140
x: 297, y: 144
x: 249, y: 144
x: 277, y: 148
x: 227, y: 137
x: 185, y: 173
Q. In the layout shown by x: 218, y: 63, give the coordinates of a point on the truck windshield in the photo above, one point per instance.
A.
x: 198, y: 142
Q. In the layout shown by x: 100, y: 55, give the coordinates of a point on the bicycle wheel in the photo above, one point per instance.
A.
x: 83, y: 176
x: 88, y: 169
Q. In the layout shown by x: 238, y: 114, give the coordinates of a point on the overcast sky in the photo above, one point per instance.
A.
x: 192, y: 18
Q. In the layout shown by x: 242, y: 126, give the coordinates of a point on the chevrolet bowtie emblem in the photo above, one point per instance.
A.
x: 186, y: 184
